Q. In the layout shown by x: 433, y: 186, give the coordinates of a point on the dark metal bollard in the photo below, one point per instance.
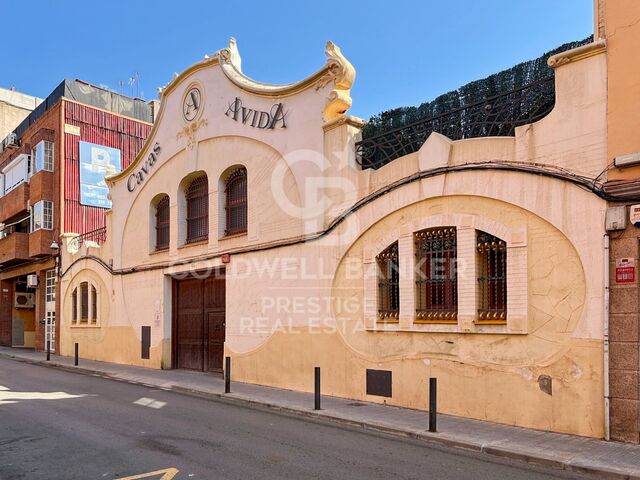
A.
x: 48, y: 350
x: 316, y: 372
x: 433, y: 396
x: 75, y: 360
x: 227, y: 375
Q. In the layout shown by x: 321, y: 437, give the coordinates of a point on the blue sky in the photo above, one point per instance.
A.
x: 405, y: 52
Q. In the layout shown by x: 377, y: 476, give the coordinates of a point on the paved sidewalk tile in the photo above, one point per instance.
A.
x: 612, y: 459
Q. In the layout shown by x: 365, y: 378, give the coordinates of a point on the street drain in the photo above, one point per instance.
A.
x: 356, y: 404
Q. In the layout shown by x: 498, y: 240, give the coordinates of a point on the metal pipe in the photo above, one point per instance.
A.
x: 227, y: 375
x: 48, y: 350
x: 317, y: 388
x: 433, y: 408
x: 75, y: 360
x: 605, y: 335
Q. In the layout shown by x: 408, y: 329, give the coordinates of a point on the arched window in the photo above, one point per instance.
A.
x: 436, y: 275
x: 94, y: 305
x: 84, y: 302
x: 389, y: 284
x: 162, y: 223
x: 491, y: 267
x: 85, y: 305
x: 197, y: 196
x: 74, y: 305
x: 236, y: 202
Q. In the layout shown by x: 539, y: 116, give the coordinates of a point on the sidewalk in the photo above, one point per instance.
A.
x: 610, y: 459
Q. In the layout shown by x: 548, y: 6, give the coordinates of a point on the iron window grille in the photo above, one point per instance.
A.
x: 436, y: 275
x: 162, y: 223
x: 492, y: 278
x: 84, y: 302
x: 389, y: 284
x: 94, y: 305
x: 236, y: 202
x: 197, y: 194
x: 74, y: 305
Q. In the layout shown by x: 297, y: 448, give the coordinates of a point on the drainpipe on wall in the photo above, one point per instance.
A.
x: 605, y: 335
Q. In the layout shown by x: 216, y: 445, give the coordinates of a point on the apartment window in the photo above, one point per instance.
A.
x: 42, y: 215
x: 236, y: 202
x: 42, y: 157
x: 491, y: 264
x: 436, y: 275
x: 162, y: 223
x: 50, y: 286
x: 197, y: 196
x: 388, y: 284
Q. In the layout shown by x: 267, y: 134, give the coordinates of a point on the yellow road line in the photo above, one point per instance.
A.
x: 169, y: 473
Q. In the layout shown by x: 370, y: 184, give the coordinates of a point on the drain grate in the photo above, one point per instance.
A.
x: 356, y: 404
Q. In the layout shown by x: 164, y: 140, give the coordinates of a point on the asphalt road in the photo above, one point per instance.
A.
x: 56, y: 424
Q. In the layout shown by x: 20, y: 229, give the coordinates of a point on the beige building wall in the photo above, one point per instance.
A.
x: 299, y: 289
x: 14, y: 107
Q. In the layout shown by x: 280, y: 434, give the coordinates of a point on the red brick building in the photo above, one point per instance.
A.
x: 42, y: 197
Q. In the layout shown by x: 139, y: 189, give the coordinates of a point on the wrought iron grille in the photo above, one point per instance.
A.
x: 98, y: 236
x: 389, y: 283
x: 162, y: 223
x: 197, y: 210
x: 496, y: 116
x: 436, y: 275
x: 236, y: 202
x: 492, y: 277
x: 84, y: 302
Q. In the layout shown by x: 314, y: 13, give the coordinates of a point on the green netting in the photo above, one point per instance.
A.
x: 515, y: 77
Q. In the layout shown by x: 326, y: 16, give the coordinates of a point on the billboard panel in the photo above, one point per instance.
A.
x: 96, y: 162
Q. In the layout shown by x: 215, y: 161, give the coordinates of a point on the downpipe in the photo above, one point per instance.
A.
x: 605, y: 335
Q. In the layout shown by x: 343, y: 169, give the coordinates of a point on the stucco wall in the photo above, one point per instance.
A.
x: 292, y: 307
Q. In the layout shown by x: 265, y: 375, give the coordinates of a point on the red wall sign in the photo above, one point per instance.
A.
x: 625, y: 270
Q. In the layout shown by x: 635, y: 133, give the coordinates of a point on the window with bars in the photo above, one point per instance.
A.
x: 162, y: 223
x: 389, y: 284
x: 74, y: 305
x: 197, y: 196
x: 84, y: 304
x: 491, y: 266
x: 236, y: 202
x: 94, y: 305
x: 436, y: 275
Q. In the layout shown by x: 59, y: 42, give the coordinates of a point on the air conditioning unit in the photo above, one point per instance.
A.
x: 11, y: 141
x: 32, y: 280
x: 25, y: 300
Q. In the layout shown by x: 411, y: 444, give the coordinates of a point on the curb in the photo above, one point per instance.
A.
x: 431, y: 438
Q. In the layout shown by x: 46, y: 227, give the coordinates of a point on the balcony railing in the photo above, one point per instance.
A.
x: 98, y: 236
x: 495, y: 116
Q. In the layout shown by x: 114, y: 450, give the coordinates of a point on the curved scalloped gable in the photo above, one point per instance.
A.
x: 214, y: 98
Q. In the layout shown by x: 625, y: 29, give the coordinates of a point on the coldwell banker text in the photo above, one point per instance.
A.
x: 256, y: 118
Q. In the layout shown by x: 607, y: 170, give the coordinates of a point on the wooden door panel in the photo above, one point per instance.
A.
x: 190, y: 328
x: 200, y: 323
x: 215, y: 336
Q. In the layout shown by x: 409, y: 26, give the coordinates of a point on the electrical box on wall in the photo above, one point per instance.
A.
x: 616, y: 218
x: 32, y: 280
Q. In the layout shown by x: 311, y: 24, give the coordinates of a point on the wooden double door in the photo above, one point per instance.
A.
x: 199, y: 323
